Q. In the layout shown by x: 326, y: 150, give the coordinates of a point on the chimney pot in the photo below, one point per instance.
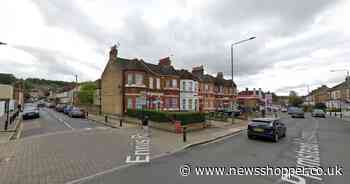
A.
x: 113, y: 53
x: 165, y: 61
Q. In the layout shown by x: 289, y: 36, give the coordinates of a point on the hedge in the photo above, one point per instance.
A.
x: 161, y: 116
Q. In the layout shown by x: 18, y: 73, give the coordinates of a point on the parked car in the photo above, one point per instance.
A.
x: 67, y: 109
x: 41, y: 104
x: 228, y: 112
x: 291, y: 110
x: 318, y: 113
x: 76, y: 112
x: 60, y: 107
x: 30, y: 112
x: 298, y: 113
x: 284, y: 109
x: 271, y: 128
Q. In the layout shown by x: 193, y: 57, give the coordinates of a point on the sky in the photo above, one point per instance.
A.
x: 297, y: 42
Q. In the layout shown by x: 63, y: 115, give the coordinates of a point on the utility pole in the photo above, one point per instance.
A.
x: 75, y: 95
x: 232, y: 45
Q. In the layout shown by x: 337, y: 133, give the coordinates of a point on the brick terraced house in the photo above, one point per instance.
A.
x: 136, y: 84
x: 215, y: 93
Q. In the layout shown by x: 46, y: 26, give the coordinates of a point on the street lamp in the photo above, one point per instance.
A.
x: 232, y: 45
x: 346, y: 80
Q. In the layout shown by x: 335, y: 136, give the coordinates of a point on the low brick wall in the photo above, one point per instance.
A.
x: 92, y: 109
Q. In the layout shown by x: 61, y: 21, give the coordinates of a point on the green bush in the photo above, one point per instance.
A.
x: 160, y: 116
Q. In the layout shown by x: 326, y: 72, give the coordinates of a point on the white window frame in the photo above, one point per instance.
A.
x: 151, y: 83
x: 184, y: 85
x: 174, y: 83
x: 158, y: 83
x: 184, y: 104
x: 190, y: 104
x: 129, y: 103
x: 130, y: 78
x: 138, y: 79
x: 190, y: 86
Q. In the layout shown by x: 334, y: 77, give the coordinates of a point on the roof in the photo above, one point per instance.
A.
x: 343, y: 85
x: 135, y: 64
x: 184, y: 74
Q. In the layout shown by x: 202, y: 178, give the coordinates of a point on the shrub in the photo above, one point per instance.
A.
x: 160, y: 116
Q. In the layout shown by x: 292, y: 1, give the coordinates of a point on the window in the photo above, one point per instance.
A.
x: 195, y: 104
x: 158, y: 83
x: 140, y: 101
x: 167, y: 83
x: 184, y: 85
x: 184, y: 104
x: 139, y: 79
x: 190, y: 86
x: 173, y: 102
x: 150, y: 83
x: 130, y: 78
x: 206, y: 87
x: 174, y: 85
x: 190, y: 104
x: 130, y: 103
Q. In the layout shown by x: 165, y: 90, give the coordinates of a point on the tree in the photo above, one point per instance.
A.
x: 294, y: 99
x: 320, y: 106
x: 86, y: 93
x: 7, y: 78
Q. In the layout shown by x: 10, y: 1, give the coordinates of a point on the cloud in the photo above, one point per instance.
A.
x: 290, y: 35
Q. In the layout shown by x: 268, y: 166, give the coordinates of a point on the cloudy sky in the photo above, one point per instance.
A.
x: 297, y: 44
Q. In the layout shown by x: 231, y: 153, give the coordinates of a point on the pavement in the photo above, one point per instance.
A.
x: 58, y: 149
x: 5, y: 136
x: 330, y: 136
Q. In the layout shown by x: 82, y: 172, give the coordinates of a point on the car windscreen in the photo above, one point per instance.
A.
x: 261, y: 121
x: 318, y: 111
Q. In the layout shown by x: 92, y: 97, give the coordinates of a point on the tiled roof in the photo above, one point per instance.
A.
x: 187, y: 75
x: 170, y: 70
x: 136, y: 64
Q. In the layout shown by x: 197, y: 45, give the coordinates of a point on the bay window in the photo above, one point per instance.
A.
x: 150, y: 83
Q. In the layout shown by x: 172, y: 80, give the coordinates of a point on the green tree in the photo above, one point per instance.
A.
x: 7, y: 78
x: 320, y: 106
x: 294, y: 99
x: 86, y: 93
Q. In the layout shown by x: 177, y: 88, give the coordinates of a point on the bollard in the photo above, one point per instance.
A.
x: 106, y: 118
x: 120, y: 122
x: 184, y: 134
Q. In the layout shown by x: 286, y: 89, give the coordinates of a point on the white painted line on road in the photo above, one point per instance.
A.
x: 99, y: 174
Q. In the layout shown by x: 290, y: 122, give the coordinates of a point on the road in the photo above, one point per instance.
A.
x: 51, y: 121
x: 329, y: 135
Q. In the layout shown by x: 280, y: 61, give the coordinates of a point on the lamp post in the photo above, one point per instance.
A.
x: 232, y: 45
x: 347, y: 82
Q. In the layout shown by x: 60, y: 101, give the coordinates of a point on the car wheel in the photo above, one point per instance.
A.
x: 276, y: 137
x: 250, y: 137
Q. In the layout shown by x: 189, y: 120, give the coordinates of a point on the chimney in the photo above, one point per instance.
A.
x: 246, y: 89
x: 165, y: 61
x: 260, y: 92
x: 113, y: 53
x: 254, y: 91
x: 220, y: 75
x: 198, y: 71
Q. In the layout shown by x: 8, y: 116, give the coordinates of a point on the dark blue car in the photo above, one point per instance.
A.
x: 271, y: 128
x: 67, y: 109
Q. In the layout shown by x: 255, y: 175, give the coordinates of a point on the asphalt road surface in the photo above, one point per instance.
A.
x: 51, y: 121
x: 327, y: 139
